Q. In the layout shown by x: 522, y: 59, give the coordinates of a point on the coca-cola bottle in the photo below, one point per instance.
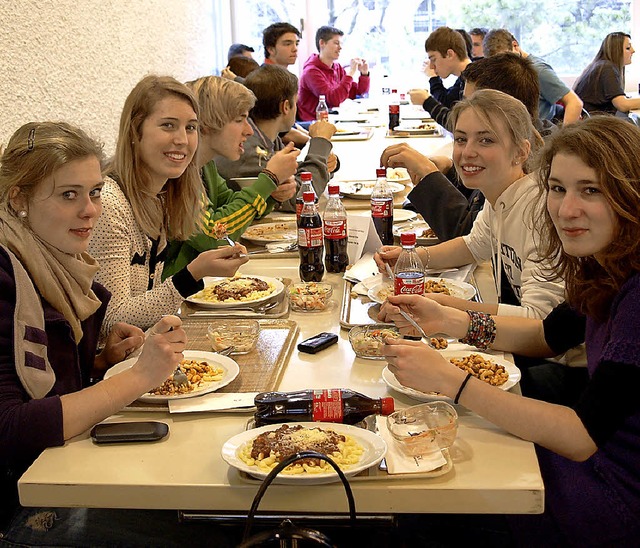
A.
x: 335, y: 405
x: 306, y: 186
x: 334, y: 223
x: 409, y: 271
x: 310, y: 241
x: 382, y: 207
x: 322, y: 110
x: 394, y: 110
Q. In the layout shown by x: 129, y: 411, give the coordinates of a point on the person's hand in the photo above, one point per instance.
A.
x: 364, y: 67
x: 123, y: 339
x: 332, y: 162
x: 428, y: 69
x: 323, y: 129
x: 285, y: 190
x: 223, y: 261
x: 431, y: 315
x: 299, y: 137
x: 387, y: 254
x: 420, y: 367
x: 284, y: 163
x: 353, y: 66
x: 162, y: 352
x: 443, y: 163
x: 402, y: 155
x: 228, y: 74
x: 418, y: 96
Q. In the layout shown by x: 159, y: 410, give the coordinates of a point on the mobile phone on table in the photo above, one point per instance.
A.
x: 127, y: 432
x: 318, y: 342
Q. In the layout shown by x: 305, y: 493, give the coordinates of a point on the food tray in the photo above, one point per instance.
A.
x: 260, y: 370
x: 375, y: 472
x: 281, y: 310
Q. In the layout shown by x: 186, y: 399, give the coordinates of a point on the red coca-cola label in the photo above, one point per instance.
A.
x: 408, y: 286
x: 381, y: 208
x: 310, y: 237
x: 299, y: 206
x: 327, y: 405
x: 335, y: 229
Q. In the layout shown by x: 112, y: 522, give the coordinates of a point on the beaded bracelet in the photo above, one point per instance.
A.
x: 464, y: 383
x: 426, y: 263
x: 271, y: 176
x: 482, y: 330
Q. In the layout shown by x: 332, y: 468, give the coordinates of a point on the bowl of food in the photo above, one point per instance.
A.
x: 424, y: 428
x: 367, y: 340
x: 241, y: 334
x: 310, y: 296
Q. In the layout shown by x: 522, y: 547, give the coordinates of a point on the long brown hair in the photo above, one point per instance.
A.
x: 36, y: 150
x: 611, y: 147
x: 176, y: 209
x: 611, y: 49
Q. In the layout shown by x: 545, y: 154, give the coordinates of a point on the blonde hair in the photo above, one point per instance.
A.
x: 36, y: 150
x: 221, y: 100
x: 491, y: 106
x: 177, y: 207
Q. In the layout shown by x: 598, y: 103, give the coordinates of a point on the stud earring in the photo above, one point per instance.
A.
x: 22, y: 213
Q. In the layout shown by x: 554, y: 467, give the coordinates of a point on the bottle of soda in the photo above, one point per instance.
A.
x: 334, y: 223
x: 306, y: 186
x: 310, y: 241
x: 409, y: 271
x: 382, y: 207
x: 335, y: 405
x: 322, y: 110
x: 394, y: 115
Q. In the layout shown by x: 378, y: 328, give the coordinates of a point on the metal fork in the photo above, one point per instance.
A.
x: 415, y: 324
x: 179, y: 377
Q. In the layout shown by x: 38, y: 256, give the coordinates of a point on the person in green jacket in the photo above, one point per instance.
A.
x: 224, y: 111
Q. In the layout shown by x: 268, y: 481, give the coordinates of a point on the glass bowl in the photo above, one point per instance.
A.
x: 241, y: 334
x: 367, y: 340
x: 424, y: 428
x: 310, y: 296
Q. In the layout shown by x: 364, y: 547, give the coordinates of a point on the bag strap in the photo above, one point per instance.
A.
x: 280, y: 467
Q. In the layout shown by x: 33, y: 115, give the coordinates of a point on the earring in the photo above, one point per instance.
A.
x: 22, y: 213
x: 517, y: 162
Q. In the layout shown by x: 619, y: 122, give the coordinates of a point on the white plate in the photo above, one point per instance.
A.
x: 398, y: 175
x: 513, y: 372
x: 419, y: 227
x: 375, y: 449
x: 230, y: 367
x: 424, y: 128
x: 283, y: 231
x: 462, y: 290
x: 374, y: 292
x: 350, y: 190
x: 208, y: 281
x: 403, y: 215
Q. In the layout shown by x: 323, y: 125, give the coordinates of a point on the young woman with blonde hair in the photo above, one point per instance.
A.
x: 224, y: 128
x: 52, y: 309
x: 601, y: 84
x: 152, y: 194
x: 588, y: 453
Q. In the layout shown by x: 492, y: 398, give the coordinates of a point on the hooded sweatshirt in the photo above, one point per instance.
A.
x: 332, y: 82
x: 505, y: 235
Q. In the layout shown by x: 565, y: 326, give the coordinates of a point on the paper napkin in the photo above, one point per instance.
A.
x: 365, y: 268
x: 398, y: 462
x: 215, y: 401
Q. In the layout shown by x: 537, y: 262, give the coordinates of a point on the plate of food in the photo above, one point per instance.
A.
x: 361, y: 190
x: 424, y: 233
x: 236, y: 291
x: 206, y: 371
x: 353, y: 449
x: 282, y: 231
x: 379, y: 293
x: 462, y: 290
x: 421, y: 128
x: 398, y: 174
x: 403, y: 215
x: 492, y: 369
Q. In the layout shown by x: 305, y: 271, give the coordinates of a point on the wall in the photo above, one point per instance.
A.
x: 76, y: 60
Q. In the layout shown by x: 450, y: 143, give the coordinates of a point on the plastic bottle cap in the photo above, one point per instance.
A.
x: 388, y: 406
x: 309, y: 197
x: 322, y: 97
x: 306, y: 176
x: 408, y: 238
x: 334, y: 190
x: 381, y: 172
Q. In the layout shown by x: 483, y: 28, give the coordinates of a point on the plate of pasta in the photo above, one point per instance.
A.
x: 206, y: 371
x: 492, y: 369
x: 353, y: 449
x: 236, y: 291
x: 264, y: 233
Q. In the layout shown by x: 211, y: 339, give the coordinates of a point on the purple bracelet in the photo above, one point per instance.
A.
x: 482, y: 330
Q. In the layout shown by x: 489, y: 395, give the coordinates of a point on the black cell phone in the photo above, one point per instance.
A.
x: 318, y: 342
x: 126, y: 432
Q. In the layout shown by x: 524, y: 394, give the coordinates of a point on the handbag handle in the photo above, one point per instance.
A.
x: 280, y: 467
